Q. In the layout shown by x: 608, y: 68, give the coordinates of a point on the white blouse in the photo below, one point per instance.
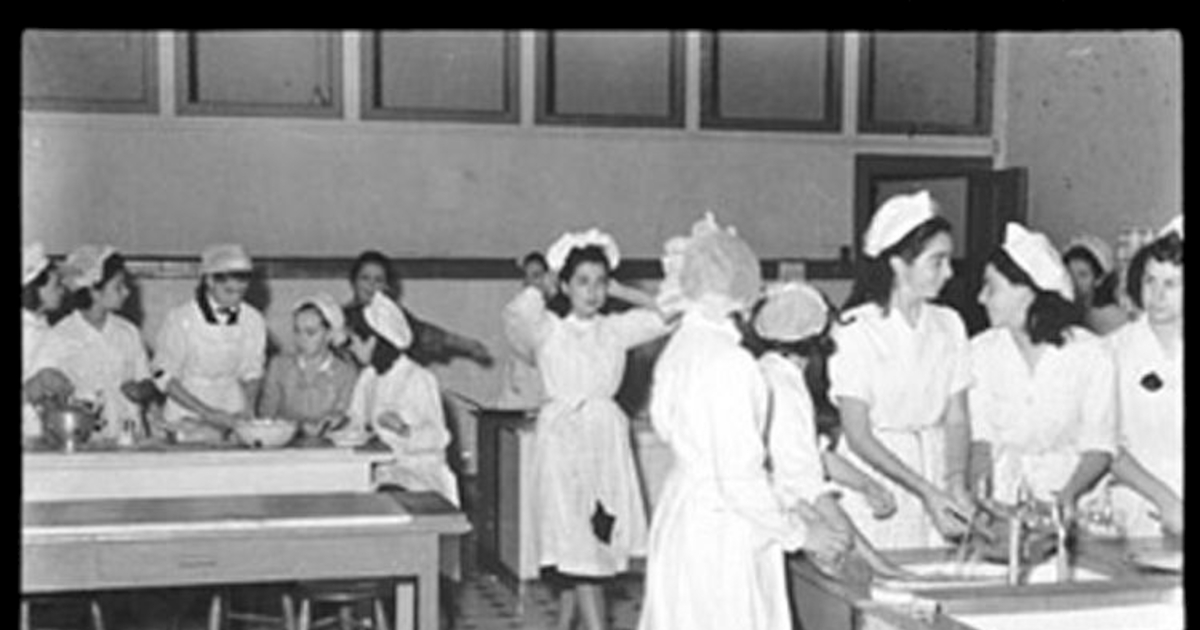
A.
x: 1040, y: 421
x: 795, y: 455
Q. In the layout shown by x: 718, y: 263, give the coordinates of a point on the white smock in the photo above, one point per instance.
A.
x: 718, y: 534
x: 211, y: 360
x: 1150, y: 421
x: 906, y: 375
x: 98, y: 361
x: 34, y: 328
x: 1039, y: 422
x: 521, y: 386
x: 797, y: 473
x: 582, y: 452
x: 411, y: 392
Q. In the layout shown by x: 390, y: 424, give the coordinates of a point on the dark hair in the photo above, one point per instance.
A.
x: 579, y: 255
x: 874, y: 279
x: 1105, y: 292
x: 81, y: 299
x: 31, y: 293
x: 385, y: 353
x: 1165, y: 249
x: 310, y: 307
x: 375, y: 257
x: 1050, y: 314
x: 534, y: 257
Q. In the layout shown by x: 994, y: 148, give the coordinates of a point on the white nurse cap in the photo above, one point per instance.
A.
x: 386, y: 318
x: 895, y: 219
x: 1035, y: 254
x: 223, y: 258
x: 33, y: 262
x: 557, y: 255
x: 330, y: 310
x: 85, y: 266
x: 792, y: 311
x: 1176, y: 226
x: 712, y: 268
x: 1096, y: 247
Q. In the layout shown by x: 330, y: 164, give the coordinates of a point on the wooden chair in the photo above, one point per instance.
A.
x: 347, y: 596
x: 220, y: 612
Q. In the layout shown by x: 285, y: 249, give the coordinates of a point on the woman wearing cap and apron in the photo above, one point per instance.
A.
x: 900, y: 376
x: 1090, y: 261
x: 97, y: 348
x: 1148, y: 469
x: 41, y: 294
x: 210, y: 351
x: 399, y: 400
x: 1043, y: 404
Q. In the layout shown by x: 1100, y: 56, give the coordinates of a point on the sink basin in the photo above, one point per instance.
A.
x: 949, y: 574
x: 1150, y: 616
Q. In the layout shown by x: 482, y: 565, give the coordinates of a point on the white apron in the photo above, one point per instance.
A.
x: 211, y: 372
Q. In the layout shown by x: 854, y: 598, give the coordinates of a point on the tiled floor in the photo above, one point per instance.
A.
x: 487, y: 604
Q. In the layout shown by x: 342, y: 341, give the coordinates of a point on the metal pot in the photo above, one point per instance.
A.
x: 70, y: 424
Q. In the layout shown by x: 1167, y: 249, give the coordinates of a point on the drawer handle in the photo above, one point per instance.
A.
x: 197, y: 562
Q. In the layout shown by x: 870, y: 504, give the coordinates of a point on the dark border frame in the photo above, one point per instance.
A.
x: 149, y: 103
x: 186, y: 86
x: 710, y: 86
x: 985, y: 44
x: 370, y: 69
x: 544, y: 113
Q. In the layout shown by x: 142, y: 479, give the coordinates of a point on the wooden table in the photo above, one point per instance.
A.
x: 162, y: 542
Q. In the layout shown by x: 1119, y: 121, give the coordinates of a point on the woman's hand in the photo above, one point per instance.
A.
x: 880, y: 499
x: 1171, y: 515
x: 949, y: 515
x: 393, y: 421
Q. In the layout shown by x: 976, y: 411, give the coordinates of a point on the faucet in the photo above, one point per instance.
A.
x: 1016, y: 532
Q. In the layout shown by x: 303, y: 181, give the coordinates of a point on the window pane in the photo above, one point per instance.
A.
x: 262, y: 68
x: 612, y: 73
x: 928, y: 78
x: 772, y: 76
x: 113, y: 67
x: 443, y: 71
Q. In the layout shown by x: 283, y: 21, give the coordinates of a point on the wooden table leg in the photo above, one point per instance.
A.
x: 24, y: 614
x: 405, y: 606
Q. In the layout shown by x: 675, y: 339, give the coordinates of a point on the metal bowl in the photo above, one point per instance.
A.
x: 265, y: 432
x: 70, y: 425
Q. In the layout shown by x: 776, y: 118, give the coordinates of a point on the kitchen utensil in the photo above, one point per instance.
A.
x: 70, y: 423
x: 348, y: 438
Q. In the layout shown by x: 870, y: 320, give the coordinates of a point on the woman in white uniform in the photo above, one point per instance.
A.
x: 1149, y: 362
x: 399, y: 400
x: 41, y: 294
x: 1043, y: 405
x: 211, y: 350
x: 522, y: 383
x: 1090, y: 261
x: 99, y: 350
x: 719, y: 533
x: 900, y: 377
x: 588, y: 511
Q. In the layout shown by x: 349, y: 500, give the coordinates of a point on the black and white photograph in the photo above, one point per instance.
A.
x: 539, y: 329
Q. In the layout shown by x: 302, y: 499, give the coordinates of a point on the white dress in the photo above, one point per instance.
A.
x: 797, y: 473
x: 411, y: 392
x: 1040, y: 422
x: 210, y: 359
x: 1150, y: 421
x: 33, y: 331
x: 97, y: 361
x: 906, y: 375
x: 582, y: 451
x: 718, y: 534
x: 522, y: 382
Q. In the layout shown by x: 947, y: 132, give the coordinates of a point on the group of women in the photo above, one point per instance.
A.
x: 354, y: 368
x: 928, y: 422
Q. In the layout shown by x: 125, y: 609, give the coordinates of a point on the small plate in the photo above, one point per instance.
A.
x: 1163, y: 560
x: 348, y: 439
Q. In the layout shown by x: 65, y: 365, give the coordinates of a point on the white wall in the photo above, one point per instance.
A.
x: 1098, y: 120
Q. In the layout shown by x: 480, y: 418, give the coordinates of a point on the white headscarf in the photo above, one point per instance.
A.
x: 84, y: 267
x: 1096, y: 247
x: 33, y: 262
x: 557, y: 255
x: 224, y: 257
x: 898, y: 216
x: 386, y: 318
x: 713, y: 268
x: 1035, y: 254
x: 791, y: 311
x: 1175, y: 225
x: 329, y: 310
